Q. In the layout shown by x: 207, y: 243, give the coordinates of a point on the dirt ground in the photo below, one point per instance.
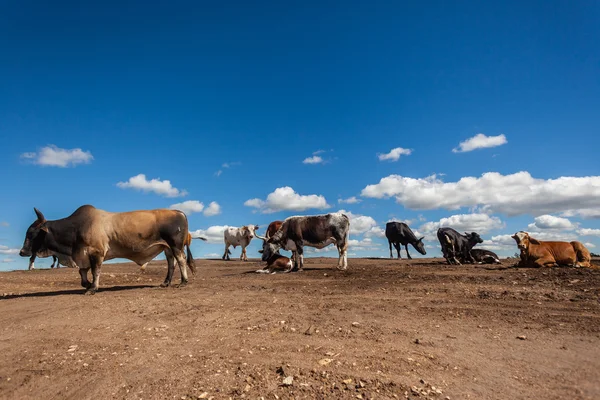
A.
x: 384, y: 329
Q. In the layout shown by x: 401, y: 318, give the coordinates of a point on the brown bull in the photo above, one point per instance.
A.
x: 91, y: 236
x: 535, y: 253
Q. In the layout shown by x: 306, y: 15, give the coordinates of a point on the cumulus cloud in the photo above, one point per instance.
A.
x: 480, y: 223
x: 163, y: 188
x: 589, y: 245
x: 313, y: 160
x: 359, y: 224
x: 188, y: 207
x: 8, y: 250
x: 213, y: 209
x: 213, y: 234
x: 286, y: 199
x: 480, y: 141
x: 365, y: 244
x: 8, y: 260
x: 551, y: 222
x: 53, y: 156
x: 375, y: 231
x: 585, y: 213
x: 394, y: 154
x: 350, y: 200
x: 212, y: 255
x: 514, y: 194
x: 589, y: 232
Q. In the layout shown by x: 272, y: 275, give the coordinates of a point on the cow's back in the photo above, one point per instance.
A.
x: 562, y: 252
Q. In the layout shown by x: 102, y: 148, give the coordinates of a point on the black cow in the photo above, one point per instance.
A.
x: 482, y: 256
x: 399, y: 234
x: 453, y: 244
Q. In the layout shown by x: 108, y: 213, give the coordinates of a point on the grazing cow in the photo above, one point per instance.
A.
x: 482, y: 256
x: 535, y: 253
x: 239, y: 237
x: 316, y: 231
x: 188, y: 243
x: 398, y: 233
x: 277, y: 262
x: 91, y: 236
x: 57, y: 259
x: 453, y: 244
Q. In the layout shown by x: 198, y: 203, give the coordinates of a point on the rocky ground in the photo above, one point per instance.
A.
x: 384, y: 329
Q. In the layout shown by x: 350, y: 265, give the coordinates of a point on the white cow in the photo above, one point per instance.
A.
x: 238, y: 237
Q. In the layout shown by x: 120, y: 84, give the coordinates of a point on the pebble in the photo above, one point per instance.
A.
x: 522, y: 337
x: 355, y: 324
x: 288, y: 381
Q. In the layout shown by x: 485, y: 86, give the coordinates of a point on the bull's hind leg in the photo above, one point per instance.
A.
x: 179, y: 256
x: 170, y: 268
x: 226, y: 254
x: 343, y: 260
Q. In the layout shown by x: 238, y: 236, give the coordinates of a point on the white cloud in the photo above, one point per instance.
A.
x: 313, y: 160
x: 586, y: 213
x: 480, y: 223
x: 8, y: 260
x: 4, y: 224
x: 589, y: 245
x: 188, y: 207
x: 512, y: 195
x: 565, y: 236
x: 366, y: 244
x: 163, y: 188
x: 212, y: 255
x: 218, y: 173
x: 394, y: 154
x: 550, y: 222
x: 589, y: 232
x: 285, y: 198
x: 375, y: 231
x: 480, y: 141
x: 359, y: 223
x: 213, y: 234
x: 53, y: 156
x: 213, y: 209
x: 499, y: 242
x: 8, y: 250
x: 349, y: 200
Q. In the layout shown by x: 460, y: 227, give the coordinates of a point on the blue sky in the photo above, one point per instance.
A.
x: 183, y: 90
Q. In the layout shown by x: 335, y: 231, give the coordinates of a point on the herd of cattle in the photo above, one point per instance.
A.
x: 90, y: 236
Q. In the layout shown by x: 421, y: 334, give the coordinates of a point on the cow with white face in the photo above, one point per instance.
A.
x: 316, y: 231
x: 238, y: 237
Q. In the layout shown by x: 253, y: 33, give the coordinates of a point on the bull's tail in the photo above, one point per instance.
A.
x: 189, y: 257
x: 584, y: 257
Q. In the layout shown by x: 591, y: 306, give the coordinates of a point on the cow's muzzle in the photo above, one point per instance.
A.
x: 24, y: 253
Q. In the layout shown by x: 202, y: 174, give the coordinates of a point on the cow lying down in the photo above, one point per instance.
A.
x: 482, y: 256
x: 537, y: 253
x: 275, y: 263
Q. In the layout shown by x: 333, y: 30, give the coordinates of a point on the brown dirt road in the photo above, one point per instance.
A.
x: 383, y: 329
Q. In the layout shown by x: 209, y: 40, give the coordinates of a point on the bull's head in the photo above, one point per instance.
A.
x: 250, y: 231
x: 474, y: 238
x: 522, y: 238
x: 270, y: 247
x: 34, y: 237
x: 420, y: 247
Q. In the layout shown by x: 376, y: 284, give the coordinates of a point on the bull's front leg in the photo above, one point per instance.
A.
x: 31, y: 262
x: 299, y: 259
x: 83, y: 272
x: 391, y: 253
x: 54, y: 261
x: 343, y: 252
x: 96, y: 265
x: 243, y: 256
x: 226, y: 254
x: 397, y: 246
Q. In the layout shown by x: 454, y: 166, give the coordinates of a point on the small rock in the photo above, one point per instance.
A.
x: 522, y: 337
x: 417, y: 341
x: 347, y: 381
x: 203, y: 395
x: 326, y: 274
x: 72, y: 348
x: 325, y: 361
x: 288, y: 381
x: 280, y: 371
x: 310, y: 330
x: 355, y: 324
x: 361, y: 384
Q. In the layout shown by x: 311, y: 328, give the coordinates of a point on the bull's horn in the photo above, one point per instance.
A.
x: 256, y: 235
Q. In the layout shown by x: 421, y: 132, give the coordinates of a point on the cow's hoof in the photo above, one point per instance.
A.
x: 165, y: 284
x: 90, y: 291
x: 182, y: 284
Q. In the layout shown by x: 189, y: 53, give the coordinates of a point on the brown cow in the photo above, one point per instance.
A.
x: 535, y: 253
x: 91, y: 236
x: 273, y: 227
x: 276, y: 262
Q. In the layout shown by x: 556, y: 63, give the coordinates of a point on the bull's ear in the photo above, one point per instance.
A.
x: 39, y: 214
x: 534, y: 241
x: 44, y: 228
x: 420, y: 240
x: 260, y: 251
x: 255, y: 227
